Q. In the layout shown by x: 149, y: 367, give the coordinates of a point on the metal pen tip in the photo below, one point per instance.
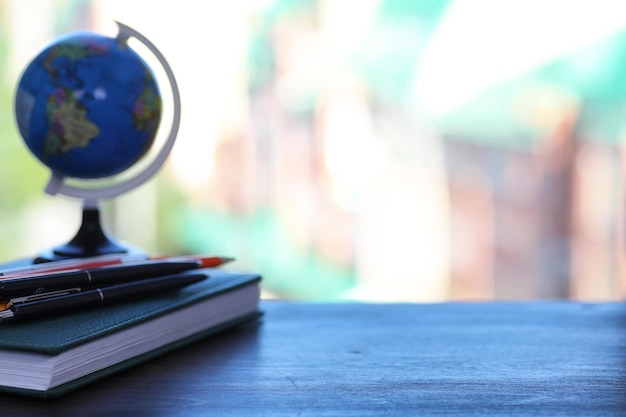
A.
x: 6, y: 315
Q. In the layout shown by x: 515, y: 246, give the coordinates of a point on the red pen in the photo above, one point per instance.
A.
x: 205, y: 261
x: 68, y: 264
x: 106, y: 261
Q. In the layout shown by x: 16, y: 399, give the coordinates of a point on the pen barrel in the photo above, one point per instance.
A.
x: 138, y: 271
x: 16, y: 287
x: 84, y: 300
x: 133, y: 290
x: 56, y: 306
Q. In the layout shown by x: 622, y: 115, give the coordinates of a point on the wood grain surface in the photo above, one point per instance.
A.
x: 309, y: 359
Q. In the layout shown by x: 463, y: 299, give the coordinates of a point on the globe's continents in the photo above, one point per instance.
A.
x: 88, y: 106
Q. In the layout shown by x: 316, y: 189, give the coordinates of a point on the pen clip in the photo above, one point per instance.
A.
x: 43, y: 296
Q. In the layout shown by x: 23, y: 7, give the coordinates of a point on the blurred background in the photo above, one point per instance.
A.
x: 385, y: 150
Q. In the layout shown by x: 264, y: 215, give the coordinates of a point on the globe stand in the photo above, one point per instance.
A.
x: 90, y: 240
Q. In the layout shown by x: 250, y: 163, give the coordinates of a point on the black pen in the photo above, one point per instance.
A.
x: 32, y: 284
x: 83, y: 300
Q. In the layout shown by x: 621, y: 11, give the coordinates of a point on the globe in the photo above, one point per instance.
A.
x: 88, y: 106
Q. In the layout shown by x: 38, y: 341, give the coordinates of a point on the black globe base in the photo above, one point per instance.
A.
x: 90, y: 240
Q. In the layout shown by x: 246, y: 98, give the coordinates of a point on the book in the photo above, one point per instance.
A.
x: 56, y: 355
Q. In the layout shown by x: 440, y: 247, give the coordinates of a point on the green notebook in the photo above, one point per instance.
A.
x: 51, y: 357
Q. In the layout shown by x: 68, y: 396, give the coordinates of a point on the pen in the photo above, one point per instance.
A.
x: 98, y: 297
x: 68, y: 264
x: 106, y: 261
x: 36, y: 297
x: 12, y: 287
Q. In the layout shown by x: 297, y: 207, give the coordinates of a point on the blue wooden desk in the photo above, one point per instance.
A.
x: 509, y: 359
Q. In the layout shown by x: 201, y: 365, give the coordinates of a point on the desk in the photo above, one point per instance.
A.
x: 512, y: 359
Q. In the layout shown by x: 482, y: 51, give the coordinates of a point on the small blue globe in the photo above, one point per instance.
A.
x: 88, y: 106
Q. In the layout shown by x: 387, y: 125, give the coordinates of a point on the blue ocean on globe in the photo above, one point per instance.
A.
x: 88, y: 106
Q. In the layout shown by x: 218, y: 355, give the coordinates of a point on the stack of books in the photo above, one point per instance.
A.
x: 63, y: 327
